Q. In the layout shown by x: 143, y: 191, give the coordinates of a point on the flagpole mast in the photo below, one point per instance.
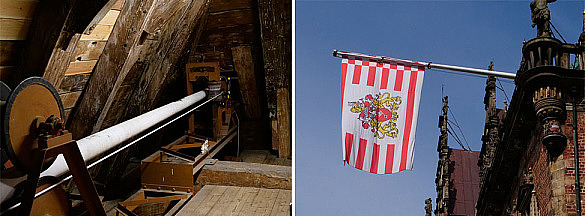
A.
x: 337, y: 53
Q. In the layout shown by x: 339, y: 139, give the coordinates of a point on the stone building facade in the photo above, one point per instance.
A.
x: 527, y: 162
x: 527, y: 165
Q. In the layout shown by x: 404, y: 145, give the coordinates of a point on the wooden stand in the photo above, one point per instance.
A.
x: 77, y: 167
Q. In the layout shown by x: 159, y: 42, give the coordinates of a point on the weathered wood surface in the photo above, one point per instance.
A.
x: 23, y: 9
x: 246, y: 175
x: 225, y: 5
x: 244, y: 65
x: 100, y: 32
x: 231, y: 18
x: 284, y: 123
x: 275, y: 22
x: 109, y: 73
x: 80, y: 67
x: 88, y: 50
x: 53, y: 35
x: 230, y: 200
x: 14, y: 29
x: 69, y: 99
x: 73, y: 83
x: 119, y: 90
x: 174, y: 32
x: 263, y: 157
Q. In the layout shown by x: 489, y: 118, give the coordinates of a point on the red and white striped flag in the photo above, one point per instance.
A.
x: 379, y: 109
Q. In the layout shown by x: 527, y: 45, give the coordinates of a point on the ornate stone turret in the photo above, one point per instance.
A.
x: 551, y: 112
x: 532, y: 169
x: 443, y: 174
x: 490, y: 136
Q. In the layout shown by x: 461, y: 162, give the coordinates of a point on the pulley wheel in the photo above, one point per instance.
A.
x: 4, y: 94
x: 33, y: 98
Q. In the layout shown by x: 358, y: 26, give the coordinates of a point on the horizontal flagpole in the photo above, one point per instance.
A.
x: 337, y: 53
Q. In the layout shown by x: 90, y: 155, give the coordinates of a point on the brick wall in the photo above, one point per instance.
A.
x: 542, y: 179
x: 568, y: 154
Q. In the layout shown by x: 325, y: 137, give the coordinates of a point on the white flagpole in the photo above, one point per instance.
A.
x: 337, y: 53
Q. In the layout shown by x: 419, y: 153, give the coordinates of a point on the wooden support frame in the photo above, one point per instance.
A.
x: 76, y: 164
x: 171, y: 170
x: 194, y: 71
x: 149, y: 197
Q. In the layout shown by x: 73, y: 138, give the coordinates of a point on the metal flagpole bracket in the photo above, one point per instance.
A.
x: 337, y: 53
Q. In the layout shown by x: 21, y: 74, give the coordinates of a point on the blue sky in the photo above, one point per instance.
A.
x: 463, y: 33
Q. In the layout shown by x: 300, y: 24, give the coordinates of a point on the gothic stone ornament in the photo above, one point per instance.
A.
x: 378, y: 114
x: 550, y: 110
x: 541, y: 17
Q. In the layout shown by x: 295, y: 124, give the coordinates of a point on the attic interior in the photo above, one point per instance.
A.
x: 145, y: 107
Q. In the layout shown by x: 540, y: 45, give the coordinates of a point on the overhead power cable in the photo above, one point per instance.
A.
x: 455, y: 137
x: 460, y: 130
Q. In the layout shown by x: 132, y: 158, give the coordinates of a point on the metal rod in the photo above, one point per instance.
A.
x: 508, y: 75
x: 100, y: 142
x: 115, y: 152
x: 576, y: 150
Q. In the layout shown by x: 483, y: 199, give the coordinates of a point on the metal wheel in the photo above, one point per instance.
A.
x: 33, y: 98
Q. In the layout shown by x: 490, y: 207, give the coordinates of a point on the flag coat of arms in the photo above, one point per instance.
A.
x: 379, y: 109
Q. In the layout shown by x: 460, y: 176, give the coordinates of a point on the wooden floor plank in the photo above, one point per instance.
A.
x: 196, y: 201
x: 239, y: 198
x: 247, y: 202
x: 267, y: 202
x: 211, y: 201
x: 282, y: 204
x: 232, y: 200
x: 221, y: 207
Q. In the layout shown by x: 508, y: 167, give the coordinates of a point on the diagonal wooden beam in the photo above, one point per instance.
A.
x: 53, y: 36
x: 118, y: 57
x: 174, y: 40
x: 244, y: 65
x: 172, y: 26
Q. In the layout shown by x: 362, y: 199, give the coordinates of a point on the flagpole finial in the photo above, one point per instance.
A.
x: 334, y: 52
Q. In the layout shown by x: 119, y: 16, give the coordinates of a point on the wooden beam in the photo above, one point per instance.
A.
x: 88, y: 50
x: 118, y: 57
x: 23, y: 9
x: 100, y: 32
x: 246, y: 175
x: 80, y: 67
x: 244, y: 65
x: 166, y: 34
x: 53, y: 36
x: 276, y: 37
x: 174, y: 38
x: 74, y: 83
x: 226, y: 5
x: 284, y: 123
x: 69, y: 99
x: 231, y: 18
x: 14, y: 29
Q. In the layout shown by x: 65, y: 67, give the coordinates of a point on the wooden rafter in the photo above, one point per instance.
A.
x: 53, y: 36
x: 118, y: 57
